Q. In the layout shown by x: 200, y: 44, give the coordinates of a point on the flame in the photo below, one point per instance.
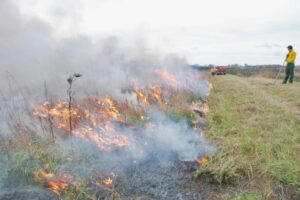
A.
x: 56, y: 183
x: 202, y: 161
x: 141, y: 96
x: 149, y: 95
x: 167, y: 76
x: 91, y: 122
x: 205, y: 108
x: 157, y: 93
x: 96, y: 120
x: 109, y: 109
x: 107, y: 182
x: 104, y: 138
x: 60, y: 113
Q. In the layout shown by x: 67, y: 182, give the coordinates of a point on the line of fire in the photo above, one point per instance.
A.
x: 161, y: 125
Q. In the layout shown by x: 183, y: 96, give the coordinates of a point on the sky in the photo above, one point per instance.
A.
x: 203, y: 31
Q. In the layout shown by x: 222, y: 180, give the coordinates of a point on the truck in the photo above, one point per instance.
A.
x: 219, y: 71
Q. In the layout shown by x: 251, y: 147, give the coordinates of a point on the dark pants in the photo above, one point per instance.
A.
x: 289, y: 73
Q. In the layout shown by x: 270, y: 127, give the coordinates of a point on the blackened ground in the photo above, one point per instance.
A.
x: 29, y: 193
x: 154, y: 180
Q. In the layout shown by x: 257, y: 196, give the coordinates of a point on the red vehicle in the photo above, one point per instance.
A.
x: 219, y: 71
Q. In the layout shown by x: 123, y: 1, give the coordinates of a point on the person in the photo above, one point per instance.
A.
x: 290, y: 59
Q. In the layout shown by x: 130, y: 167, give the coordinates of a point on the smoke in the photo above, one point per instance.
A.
x: 161, y: 140
x: 33, y: 62
x: 30, y: 54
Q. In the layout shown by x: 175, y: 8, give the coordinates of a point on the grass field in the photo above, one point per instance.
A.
x: 256, y: 128
x: 266, y: 72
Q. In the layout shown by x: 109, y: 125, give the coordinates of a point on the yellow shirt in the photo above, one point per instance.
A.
x: 290, y: 58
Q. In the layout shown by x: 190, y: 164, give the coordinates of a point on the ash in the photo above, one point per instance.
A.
x: 154, y: 180
x: 27, y: 193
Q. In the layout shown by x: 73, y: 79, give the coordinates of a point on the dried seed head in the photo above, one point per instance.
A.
x: 77, y: 75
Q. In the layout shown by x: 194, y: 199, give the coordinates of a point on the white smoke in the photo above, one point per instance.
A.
x: 30, y: 58
x: 30, y: 54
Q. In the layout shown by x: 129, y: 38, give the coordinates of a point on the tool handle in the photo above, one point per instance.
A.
x: 283, y: 65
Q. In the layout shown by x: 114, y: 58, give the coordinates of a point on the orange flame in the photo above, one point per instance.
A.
x: 157, y: 93
x: 97, y: 116
x: 107, y: 182
x: 104, y: 140
x: 56, y: 183
x: 59, y: 112
x: 109, y: 110
x: 202, y: 161
x: 141, y: 96
x: 149, y: 95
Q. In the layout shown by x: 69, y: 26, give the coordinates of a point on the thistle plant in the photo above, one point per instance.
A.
x: 70, y: 93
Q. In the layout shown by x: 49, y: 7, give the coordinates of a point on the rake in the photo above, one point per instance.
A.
x: 277, y: 75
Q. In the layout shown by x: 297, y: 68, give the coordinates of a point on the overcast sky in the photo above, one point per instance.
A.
x: 204, y: 31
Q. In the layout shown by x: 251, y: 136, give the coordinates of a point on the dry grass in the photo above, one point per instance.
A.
x: 256, y: 128
x: 32, y: 147
x: 265, y: 72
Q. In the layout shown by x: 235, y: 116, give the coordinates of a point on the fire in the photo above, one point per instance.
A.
x: 141, y: 96
x: 109, y: 110
x: 205, y: 108
x: 167, y: 76
x: 60, y: 113
x: 149, y: 95
x: 202, y: 161
x: 107, y: 182
x: 157, y: 93
x: 103, y: 138
x: 93, y: 121
x: 56, y: 183
x: 98, y: 121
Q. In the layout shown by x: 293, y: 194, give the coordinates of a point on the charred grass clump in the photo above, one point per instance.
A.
x: 257, y: 137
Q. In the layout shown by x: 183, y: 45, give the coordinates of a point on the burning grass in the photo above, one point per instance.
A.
x: 256, y: 129
x: 76, y: 148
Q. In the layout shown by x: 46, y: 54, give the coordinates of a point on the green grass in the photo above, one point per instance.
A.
x: 27, y: 156
x: 257, y: 131
x: 177, y: 115
x: 247, y: 196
